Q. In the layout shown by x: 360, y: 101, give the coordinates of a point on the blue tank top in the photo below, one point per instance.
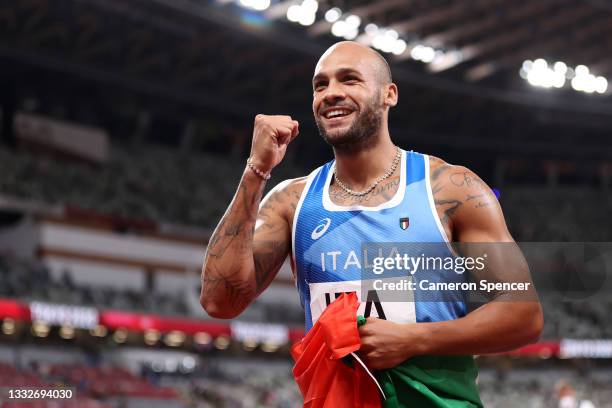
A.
x: 328, y: 238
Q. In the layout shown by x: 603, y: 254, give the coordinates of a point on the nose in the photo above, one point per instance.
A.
x: 334, y: 92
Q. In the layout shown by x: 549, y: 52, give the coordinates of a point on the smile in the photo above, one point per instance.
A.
x: 336, y: 114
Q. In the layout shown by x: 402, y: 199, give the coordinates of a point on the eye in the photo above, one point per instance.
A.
x: 319, y: 86
x: 351, y: 79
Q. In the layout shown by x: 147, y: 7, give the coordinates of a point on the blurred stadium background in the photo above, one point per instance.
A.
x: 125, y: 125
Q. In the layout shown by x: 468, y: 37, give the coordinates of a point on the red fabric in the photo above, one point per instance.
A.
x: 324, y: 380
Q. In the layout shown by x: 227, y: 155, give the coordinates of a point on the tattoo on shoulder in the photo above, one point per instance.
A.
x: 439, y: 170
x: 472, y: 197
x: 268, y: 206
x: 482, y: 199
x: 483, y: 205
x: 436, y: 183
x: 465, y: 178
x: 293, y: 197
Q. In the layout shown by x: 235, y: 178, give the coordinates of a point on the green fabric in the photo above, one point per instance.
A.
x: 431, y: 381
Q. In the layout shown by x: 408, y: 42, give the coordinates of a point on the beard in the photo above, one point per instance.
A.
x: 361, y: 134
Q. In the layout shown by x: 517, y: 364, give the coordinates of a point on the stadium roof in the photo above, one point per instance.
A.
x: 223, y: 56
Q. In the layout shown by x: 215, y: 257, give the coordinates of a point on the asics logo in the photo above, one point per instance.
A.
x: 321, y: 228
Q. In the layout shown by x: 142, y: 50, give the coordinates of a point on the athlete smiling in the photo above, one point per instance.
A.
x: 372, y: 192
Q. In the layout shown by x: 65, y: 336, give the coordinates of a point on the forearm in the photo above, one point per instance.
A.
x: 228, y: 282
x: 495, y: 327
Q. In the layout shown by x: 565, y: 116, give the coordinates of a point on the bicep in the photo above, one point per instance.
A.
x: 480, y: 218
x: 481, y: 229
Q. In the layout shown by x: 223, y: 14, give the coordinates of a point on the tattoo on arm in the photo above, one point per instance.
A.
x: 230, y: 244
x: 267, y: 260
x: 438, y: 185
x: 223, y: 238
x: 465, y: 178
x: 471, y: 197
x: 449, y: 208
x: 438, y: 171
x: 216, y: 280
x: 483, y: 205
x: 483, y: 201
x: 227, y: 230
x: 457, y: 188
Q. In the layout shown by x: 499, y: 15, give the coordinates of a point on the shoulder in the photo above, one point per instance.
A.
x: 289, y: 191
x: 454, y: 177
x: 466, y: 201
x: 289, y: 188
x: 283, y: 198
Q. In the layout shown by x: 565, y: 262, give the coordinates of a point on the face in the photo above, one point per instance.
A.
x: 348, y: 104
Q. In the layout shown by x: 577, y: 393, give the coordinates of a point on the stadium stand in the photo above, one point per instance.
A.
x: 536, y: 387
x: 30, y: 280
x: 133, y: 184
x: 223, y: 382
x: 558, y: 214
x: 13, y: 377
x: 136, y: 183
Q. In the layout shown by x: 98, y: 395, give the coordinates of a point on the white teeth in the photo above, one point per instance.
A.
x: 334, y: 113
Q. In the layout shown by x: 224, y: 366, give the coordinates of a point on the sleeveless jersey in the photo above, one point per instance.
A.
x: 328, y: 238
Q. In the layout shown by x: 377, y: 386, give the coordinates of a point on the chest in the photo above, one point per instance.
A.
x: 406, y: 217
x: 381, y: 194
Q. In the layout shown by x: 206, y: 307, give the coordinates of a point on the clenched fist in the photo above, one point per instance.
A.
x: 271, y: 136
x: 386, y: 344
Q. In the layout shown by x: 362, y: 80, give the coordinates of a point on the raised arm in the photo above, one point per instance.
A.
x: 250, y: 244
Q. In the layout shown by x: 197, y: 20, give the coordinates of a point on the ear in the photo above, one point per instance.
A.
x: 390, y: 95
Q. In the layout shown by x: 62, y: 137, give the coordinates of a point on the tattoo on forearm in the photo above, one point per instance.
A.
x: 215, y: 280
x: 235, y: 231
x: 230, y: 228
x: 250, y: 199
x: 222, y: 239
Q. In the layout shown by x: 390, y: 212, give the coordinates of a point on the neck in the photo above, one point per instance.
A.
x: 360, y: 168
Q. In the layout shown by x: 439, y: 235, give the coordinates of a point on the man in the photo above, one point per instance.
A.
x: 360, y: 197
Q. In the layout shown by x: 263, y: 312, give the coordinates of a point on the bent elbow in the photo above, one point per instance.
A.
x: 222, y: 298
x: 536, y: 325
x: 214, y: 309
